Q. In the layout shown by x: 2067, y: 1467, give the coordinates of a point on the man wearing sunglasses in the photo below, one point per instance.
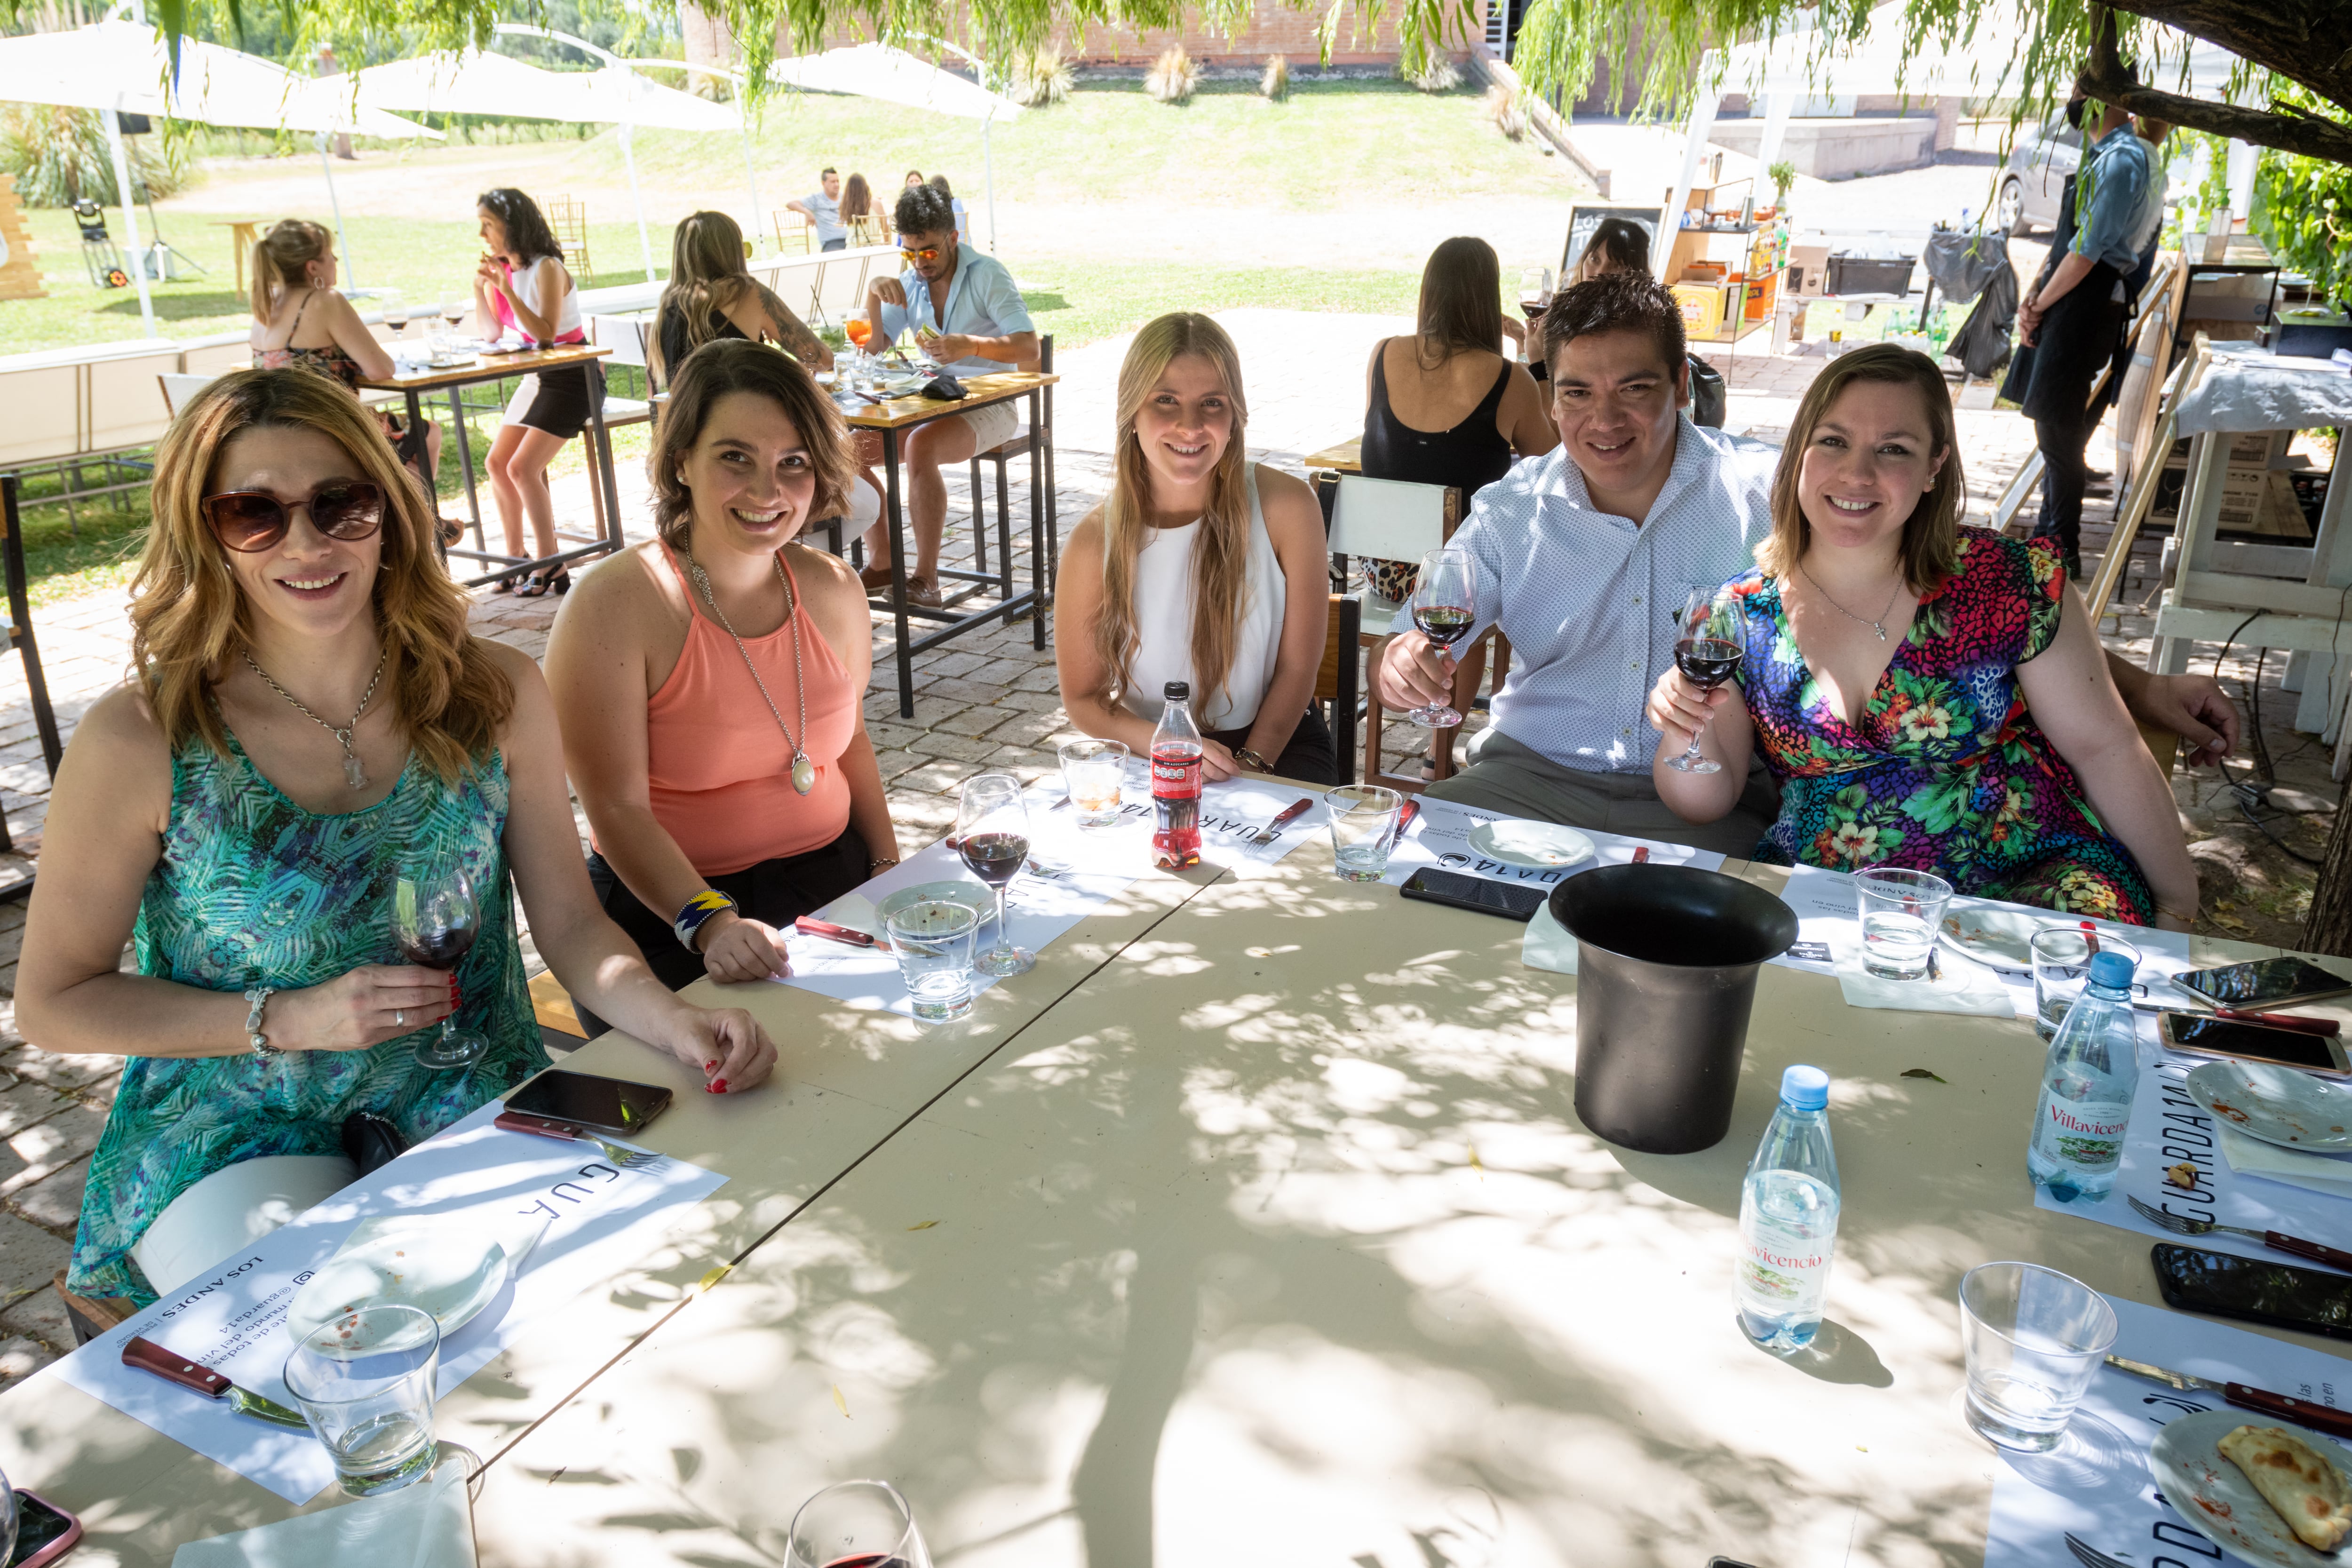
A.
x: 965, y: 312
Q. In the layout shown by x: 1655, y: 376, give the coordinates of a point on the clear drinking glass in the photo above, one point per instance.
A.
x: 2061, y: 964
x: 1707, y: 659
x: 1444, y: 608
x: 856, y: 1525
x: 434, y: 919
x: 1901, y: 912
x: 364, y: 1381
x: 992, y: 833
x: 1363, y: 829
x: 2033, y: 1338
x: 1094, y: 773
x: 932, y: 941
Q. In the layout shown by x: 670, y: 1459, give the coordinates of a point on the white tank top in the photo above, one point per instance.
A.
x: 1163, y: 623
x: 530, y: 285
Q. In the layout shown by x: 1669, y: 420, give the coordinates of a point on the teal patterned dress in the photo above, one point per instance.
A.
x: 251, y: 890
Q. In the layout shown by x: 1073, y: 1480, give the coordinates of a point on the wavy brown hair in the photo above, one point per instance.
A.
x: 1219, y: 559
x: 1931, y: 534
x: 189, y: 618
x: 707, y: 273
x: 735, y: 365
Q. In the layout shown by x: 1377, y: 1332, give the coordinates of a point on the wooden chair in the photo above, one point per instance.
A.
x: 793, y: 231
x: 1338, y: 684
x: 1017, y: 446
x: 568, y: 221
x: 18, y: 624
x: 873, y: 229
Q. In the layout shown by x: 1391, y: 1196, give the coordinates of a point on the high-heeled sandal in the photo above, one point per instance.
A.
x: 541, y: 582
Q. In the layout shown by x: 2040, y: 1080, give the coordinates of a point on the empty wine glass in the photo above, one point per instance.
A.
x: 1707, y: 655
x: 1444, y: 607
x: 434, y: 919
x: 992, y: 836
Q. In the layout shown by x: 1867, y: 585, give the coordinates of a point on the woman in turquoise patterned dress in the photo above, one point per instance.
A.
x: 309, y: 717
x: 1928, y: 696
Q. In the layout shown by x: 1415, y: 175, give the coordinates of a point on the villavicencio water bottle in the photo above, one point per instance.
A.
x: 2087, y: 1084
x: 1176, y: 781
x: 1788, y: 1218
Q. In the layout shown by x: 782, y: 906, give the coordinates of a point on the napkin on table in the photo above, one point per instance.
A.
x: 1963, y: 988
x: 2328, y: 1173
x: 426, y: 1524
x: 1548, y: 944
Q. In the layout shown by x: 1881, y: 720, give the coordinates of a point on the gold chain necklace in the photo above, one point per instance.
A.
x: 803, y: 771
x: 354, y: 773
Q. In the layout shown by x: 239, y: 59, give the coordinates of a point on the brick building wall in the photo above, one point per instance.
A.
x: 1273, y: 29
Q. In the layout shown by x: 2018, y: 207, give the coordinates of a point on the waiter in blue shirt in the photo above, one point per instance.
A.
x: 967, y: 315
x: 2076, y: 317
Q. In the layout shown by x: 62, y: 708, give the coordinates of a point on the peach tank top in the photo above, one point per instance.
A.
x: 718, y: 771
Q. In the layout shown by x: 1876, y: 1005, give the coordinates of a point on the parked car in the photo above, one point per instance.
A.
x: 2035, y: 174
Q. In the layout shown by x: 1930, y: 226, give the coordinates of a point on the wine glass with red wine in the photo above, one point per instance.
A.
x: 434, y: 919
x: 1707, y: 656
x: 856, y: 1525
x: 992, y: 834
x: 1444, y: 607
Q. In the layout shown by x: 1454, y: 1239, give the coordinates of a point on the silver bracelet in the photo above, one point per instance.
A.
x: 258, y: 999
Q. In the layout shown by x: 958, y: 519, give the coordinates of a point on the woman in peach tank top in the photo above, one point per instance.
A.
x: 745, y: 771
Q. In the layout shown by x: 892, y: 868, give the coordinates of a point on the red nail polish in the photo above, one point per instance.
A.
x: 719, y: 1086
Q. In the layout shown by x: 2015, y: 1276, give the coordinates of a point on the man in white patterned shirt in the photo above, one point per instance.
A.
x: 1584, y: 557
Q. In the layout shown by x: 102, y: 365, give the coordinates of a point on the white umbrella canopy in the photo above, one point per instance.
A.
x: 126, y: 67
x: 877, y: 70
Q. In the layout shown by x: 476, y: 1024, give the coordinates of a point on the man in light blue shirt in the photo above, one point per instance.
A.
x: 822, y: 209
x: 967, y: 314
x: 1582, y: 559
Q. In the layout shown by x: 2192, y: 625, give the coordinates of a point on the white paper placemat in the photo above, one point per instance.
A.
x: 1440, y: 836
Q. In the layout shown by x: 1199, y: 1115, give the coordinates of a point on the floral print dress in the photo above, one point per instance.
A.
x: 1945, y: 770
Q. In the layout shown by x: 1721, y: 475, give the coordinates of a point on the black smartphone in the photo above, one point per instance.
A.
x: 611, y: 1104
x: 2204, y: 1036
x: 2263, y: 983
x: 45, y: 1533
x: 2275, y: 1293
x: 1511, y: 901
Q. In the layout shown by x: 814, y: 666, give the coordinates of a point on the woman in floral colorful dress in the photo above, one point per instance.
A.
x: 1927, y: 696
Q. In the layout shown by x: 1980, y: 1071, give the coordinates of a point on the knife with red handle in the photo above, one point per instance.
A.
x: 809, y: 925
x: 2318, y: 1417
x: 196, y: 1377
x: 1404, y: 817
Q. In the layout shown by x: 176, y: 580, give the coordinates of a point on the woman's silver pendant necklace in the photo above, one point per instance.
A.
x: 803, y: 774
x: 1878, y: 625
x: 354, y: 773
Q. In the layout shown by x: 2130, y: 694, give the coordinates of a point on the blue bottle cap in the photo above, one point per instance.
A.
x: 1805, y: 1088
x: 2112, y: 970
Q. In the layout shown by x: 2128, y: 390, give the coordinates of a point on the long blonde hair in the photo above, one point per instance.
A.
x: 282, y: 257
x: 188, y: 617
x: 1220, y: 557
x: 706, y: 274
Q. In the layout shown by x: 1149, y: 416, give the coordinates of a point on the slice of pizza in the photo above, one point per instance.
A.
x: 2309, y: 1493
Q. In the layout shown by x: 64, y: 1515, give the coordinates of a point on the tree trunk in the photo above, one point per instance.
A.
x: 708, y: 43
x: 2328, y: 928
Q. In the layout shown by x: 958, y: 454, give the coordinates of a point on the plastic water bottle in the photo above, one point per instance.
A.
x: 1788, y: 1218
x: 1176, y: 781
x: 2087, y: 1084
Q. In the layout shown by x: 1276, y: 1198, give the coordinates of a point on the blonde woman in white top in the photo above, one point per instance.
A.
x: 522, y: 286
x: 1199, y: 566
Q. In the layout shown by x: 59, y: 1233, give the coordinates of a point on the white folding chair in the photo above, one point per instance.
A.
x: 178, y: 388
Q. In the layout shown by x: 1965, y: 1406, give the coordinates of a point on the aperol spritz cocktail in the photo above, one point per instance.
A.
x: 859, y: 330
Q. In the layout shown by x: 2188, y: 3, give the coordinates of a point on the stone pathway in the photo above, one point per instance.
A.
x: 988, y: 700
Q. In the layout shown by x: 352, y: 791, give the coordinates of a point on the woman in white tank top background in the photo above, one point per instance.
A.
x: 522, y: 286
x: 1199, y: 566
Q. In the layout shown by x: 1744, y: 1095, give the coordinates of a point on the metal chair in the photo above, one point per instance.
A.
x: 1017, y: 446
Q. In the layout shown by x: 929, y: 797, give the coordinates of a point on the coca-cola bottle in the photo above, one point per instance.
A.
x: 1176, y: 781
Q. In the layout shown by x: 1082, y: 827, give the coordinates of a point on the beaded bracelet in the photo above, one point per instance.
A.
x: 256, y: 999
x: 698, y: 909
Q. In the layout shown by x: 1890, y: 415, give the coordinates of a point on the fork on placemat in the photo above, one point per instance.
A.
x: 2090, y: 1556
x: 618, y: 1153
x: 2277, y: 1240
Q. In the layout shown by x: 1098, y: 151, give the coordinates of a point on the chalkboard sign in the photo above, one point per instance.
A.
x: 1583, y: 220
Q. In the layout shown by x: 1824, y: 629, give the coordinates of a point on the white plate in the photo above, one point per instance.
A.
x: 971, y: 895
x: 1995, y: 935
x: 2276, y: 1104
x: 452, y: 1270
x: 2213, y: 1495
x: 1539, y: 845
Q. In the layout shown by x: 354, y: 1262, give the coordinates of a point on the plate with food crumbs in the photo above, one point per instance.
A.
x: 449, y: 1267
x: 1994, y: 933
x: 1539, y: 846
x: 2279, y: 1105
x: 2206, y: 1465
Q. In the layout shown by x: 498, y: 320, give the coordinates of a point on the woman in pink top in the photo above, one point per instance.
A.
x: 742, y: 792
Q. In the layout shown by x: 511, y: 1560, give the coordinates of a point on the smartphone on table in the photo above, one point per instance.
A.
x: 45, y: 1532
x: 2204, y: 1036
x: 1452, y: 888
x: 2263, y: 982
x: 583, y: 1099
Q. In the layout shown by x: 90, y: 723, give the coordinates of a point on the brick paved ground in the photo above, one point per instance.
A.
x: 988, y: 700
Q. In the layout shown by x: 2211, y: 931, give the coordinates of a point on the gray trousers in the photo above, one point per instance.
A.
x: 1517, y: 781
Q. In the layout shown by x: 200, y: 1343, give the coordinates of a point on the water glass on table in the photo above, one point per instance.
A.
x: 1094, y: 773
x: 1901, y: 912
x: 1364, y: 825
x: 364, y: 1381
x: 2061, y: 966
x: 932, y: 941
x: 856, y: 1525
x: 2033, y: 1338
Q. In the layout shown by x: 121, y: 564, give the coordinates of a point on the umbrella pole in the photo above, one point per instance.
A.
x: 113, y: 119
x: 759, y: 226
x: 988, y: 167
x: 343, y: 240
x: 645, y: 246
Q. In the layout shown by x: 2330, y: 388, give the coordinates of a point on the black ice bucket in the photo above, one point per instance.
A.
x: 1666, y: 975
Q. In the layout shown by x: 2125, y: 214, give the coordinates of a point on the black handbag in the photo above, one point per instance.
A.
x: 945, y: 388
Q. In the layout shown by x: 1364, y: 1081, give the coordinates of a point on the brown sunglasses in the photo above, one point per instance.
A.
x: 248, y: 520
